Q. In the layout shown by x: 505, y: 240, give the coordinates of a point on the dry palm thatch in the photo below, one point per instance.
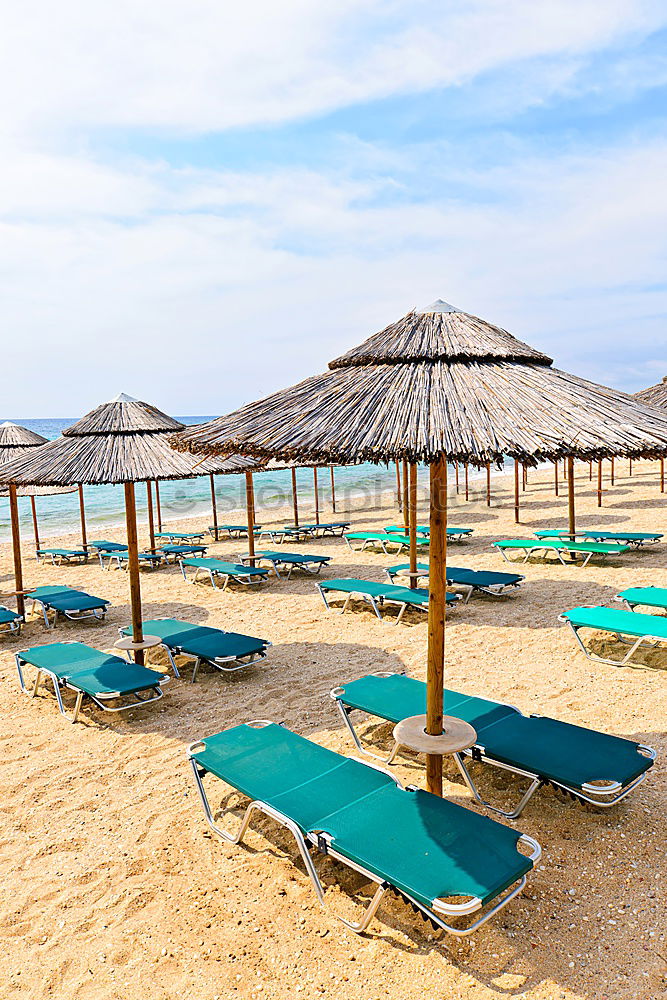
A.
x: 655, y: 395
x: 16, y: 441
x: 438, y: 382
x: 122, y: 441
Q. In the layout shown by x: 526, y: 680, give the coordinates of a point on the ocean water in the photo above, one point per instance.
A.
x: 358, y: 486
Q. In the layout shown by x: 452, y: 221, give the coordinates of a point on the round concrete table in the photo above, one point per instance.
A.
x: 128, y: 645
x: 456, y: 735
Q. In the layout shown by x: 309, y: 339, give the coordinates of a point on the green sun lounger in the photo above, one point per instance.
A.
x: 378, y: 594
x: 10, y: 621
x: 634, y: 538
x: 179, y: 551
x: 218, y: 569
x: 111, y: 682
x: 447, y: 861
x: 225, y: 651
x: 75, y: 605
x: 289, y: 561
x: 591, y: 766
x: 558, y: 547
x: 629, y: 627
x: 59, y: 556
x: 181, y: 537
x: 121, y: 558
x: 643, y: 597
x: 470, y: 581
x: 381, y: 539
x: 103, y: 545
x: 231, y: 530
x: 290, y: 532
x: 332, y: 529
x: 453, y: 534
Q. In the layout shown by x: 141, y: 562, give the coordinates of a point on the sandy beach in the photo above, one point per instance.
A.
x: 112, y: 886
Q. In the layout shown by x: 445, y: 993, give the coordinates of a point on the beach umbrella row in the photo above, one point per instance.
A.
x: 438, y: 385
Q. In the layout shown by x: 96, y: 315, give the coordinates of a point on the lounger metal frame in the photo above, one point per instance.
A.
x: 219, y: 662
x: 62, y: 682
x: 71, y: 614
x: 58, y: 558
x: 577, y: 554
x: 212, y: 573
x: 312, y: 566
x: 13, y: 626
x: 603, y: 793
x: 121, y: 559
x: 468, y: 589
x: 375, y: 603
x: 647, y: 641
x: 382, y: 542
x: 439, y: 909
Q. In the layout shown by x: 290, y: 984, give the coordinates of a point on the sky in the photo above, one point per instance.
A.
x: 203, y: 202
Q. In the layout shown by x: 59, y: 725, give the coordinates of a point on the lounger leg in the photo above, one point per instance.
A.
x: 345, y: 714
x: 172, y: 660
x: 326, y: 603
x: 400, y: 613
x: 472, y: 787
x: 346, y: 604
x: 195, y: 669
x: 369, y: 912
x: 375, y: 607
x: 77, y: 706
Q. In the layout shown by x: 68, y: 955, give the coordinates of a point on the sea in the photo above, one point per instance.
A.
x: 357, y: 487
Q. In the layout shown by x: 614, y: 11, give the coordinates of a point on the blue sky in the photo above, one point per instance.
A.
x: 199, y: 205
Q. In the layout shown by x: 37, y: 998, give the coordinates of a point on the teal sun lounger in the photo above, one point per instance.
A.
x: 225, y: 651
x: 565, y: 551
x: 59, y: 556
x: 589, y: 765
x: 470, y: 581
x: 382, y: 539
x: 453, y: 534
x: 75, y: 605
x: 10, y: 621
x: 111, y: 682
x: 181, y: 550
x: 633, y: 630
x: 643, y: 597
x: 219, y: 570
x: 634, y: 538
x: 181, y: 537
x: 378, y: 594
x: 448, y: 862
x: 121, y: 557
x: 231, y: 530
x: 282, y: 562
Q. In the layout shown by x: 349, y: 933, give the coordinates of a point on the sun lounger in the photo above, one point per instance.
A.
x: 634, y: 538
x: 59, y: 556
x: 470, y: 581
x: 561, y: 548
x: 72, y: 604
x: 290, y: 532
x: 446, y: 861
x: 378, y: 594
x: 121, y: 556
x: 639, y: 632
x: 181, y: 537
x: 643, y: 597
x: 176, y: 552
x: 289, y: 561
x: 102, y: 545
x: 231, y: 530
x: 381, y: 539
x: 226, y: 651
x: 334, y: 529
x: 10, y: 621
x: 453, y: 534
x: 218, y: 569
x: 591, y: 766
x: 111, y: 682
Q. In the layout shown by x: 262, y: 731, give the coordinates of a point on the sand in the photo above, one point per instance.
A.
x: 112, y: 886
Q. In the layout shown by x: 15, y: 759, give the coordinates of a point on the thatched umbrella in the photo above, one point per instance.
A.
x: 124, y: 441
x: 656, y: 395
x: 438, y: 385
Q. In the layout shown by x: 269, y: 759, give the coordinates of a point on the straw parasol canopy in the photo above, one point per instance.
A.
x: 122, y: 441
x: 438, y: 381
x: 655, y: 395
x: 440, y: 384
x: 15, y: 441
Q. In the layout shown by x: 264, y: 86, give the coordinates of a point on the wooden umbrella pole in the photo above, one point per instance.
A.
x: 250, y: 512
x: 456, y: 473
x: 413, y: 524
x: 151, y: 521
x: 82, y: 515
x: 612, y: 472
x: 488, y: 484
x: 16, y: 550
x: 662, y: 475
x: 590, y: 472
x: 630, y: 467
x: 295, y: 502
x: 317, y: 495
x: 133, y: 569
x: 214, y: 507
x: 465, y: 469
x: 600, y: 483
x: 556, y: 476
x: 158, y: 508
x: 435, y: 664
x: 333, y: 488
x: 406, y: 498
x: 516, y: 491
x: 399, y: 497
x: 525, y: 477
x: 35, y: 525
x: 571, y: 525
